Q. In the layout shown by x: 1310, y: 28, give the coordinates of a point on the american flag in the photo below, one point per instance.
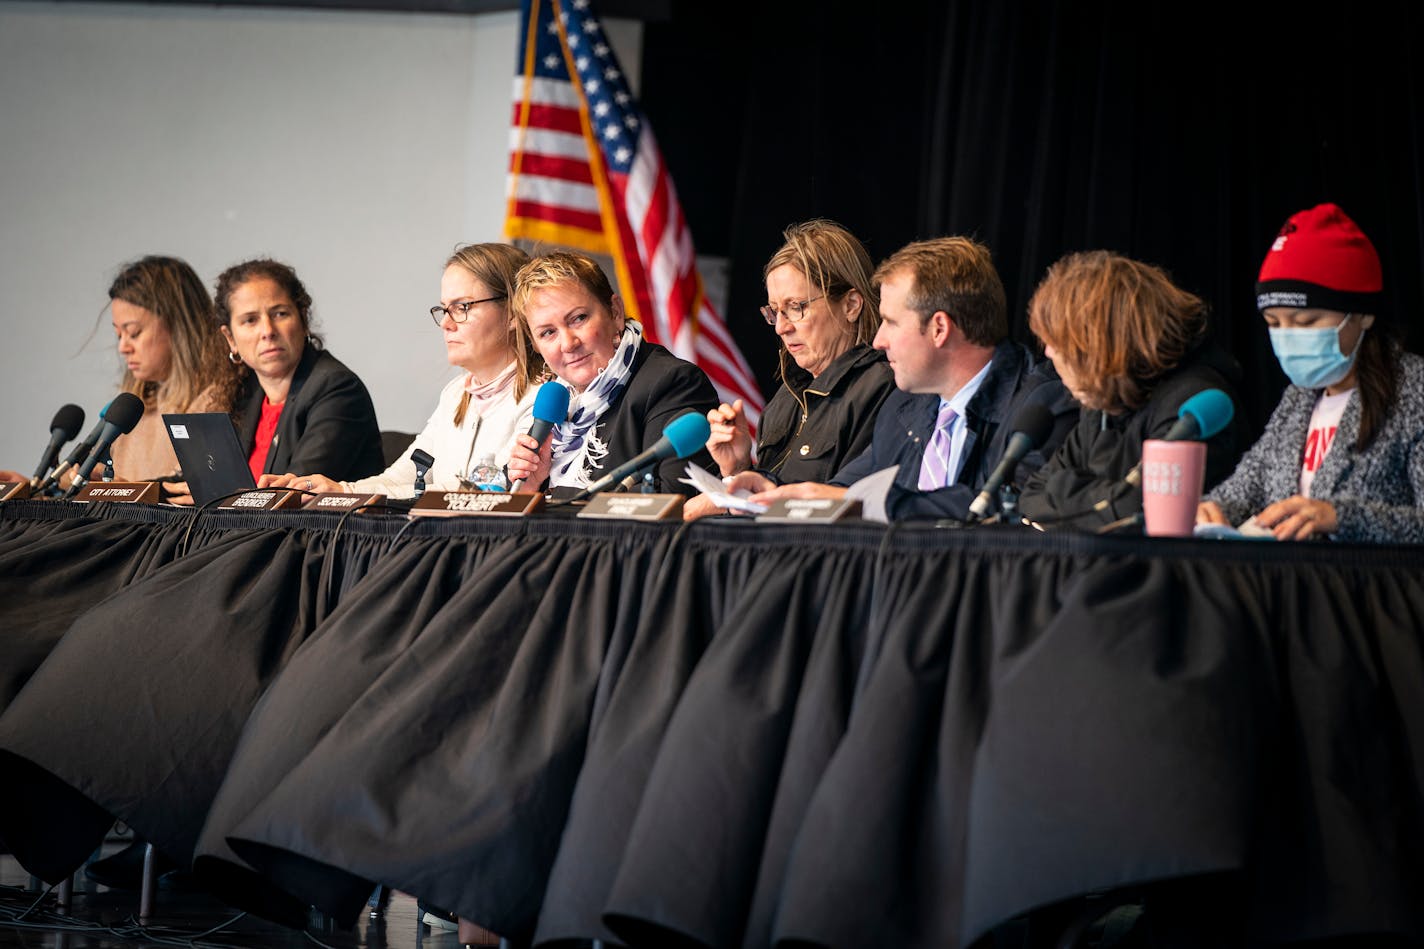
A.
x: 585, y: 172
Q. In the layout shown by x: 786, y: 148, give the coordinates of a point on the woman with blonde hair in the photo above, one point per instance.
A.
x: 479, y: 410
x: 1130, y: 346
x: 624, y: 390
x: 824, y: 306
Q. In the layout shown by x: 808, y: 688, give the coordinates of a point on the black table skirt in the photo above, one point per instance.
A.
x: 737, y: 735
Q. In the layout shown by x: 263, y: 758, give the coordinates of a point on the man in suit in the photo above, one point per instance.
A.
x: 960, y: 383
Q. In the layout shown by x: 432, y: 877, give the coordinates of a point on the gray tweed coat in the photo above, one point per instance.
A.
x: 1378, y: 493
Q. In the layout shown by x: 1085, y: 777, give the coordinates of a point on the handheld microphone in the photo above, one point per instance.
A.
x: 551, y: 406
x: 119, y: 419
x: 76, y: 453
x: 1031, y: 428
x: 1199, y: 418
x: 683, y: 436
x: 66, y: 424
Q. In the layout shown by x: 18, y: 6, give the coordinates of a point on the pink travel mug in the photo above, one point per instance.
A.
x: 1171, y: 486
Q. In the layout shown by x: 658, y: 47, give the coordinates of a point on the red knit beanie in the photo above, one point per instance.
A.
x: 1321, y: 259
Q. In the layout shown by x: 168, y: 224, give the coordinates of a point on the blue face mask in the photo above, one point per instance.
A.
x: 1311, y: 357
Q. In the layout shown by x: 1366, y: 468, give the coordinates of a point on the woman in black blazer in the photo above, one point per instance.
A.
x: 624, y: 388
x: 299, y: 408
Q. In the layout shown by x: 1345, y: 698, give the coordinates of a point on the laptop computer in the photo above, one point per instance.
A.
x: 212, y: 461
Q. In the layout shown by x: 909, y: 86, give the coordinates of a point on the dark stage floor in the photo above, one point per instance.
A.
x: 100, y: 917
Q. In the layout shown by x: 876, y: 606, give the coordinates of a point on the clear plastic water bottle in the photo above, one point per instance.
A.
x: 488, y: 476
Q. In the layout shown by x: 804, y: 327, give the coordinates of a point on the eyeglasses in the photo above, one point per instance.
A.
x: 794, y: 310
x: 459, y: 312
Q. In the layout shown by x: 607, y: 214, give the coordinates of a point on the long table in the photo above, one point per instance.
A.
x: 734, y: 734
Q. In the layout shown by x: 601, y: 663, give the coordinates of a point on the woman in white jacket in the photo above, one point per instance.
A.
x: 479, y: 412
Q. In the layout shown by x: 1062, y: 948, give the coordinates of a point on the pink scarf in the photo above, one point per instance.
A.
x: 482, y: 395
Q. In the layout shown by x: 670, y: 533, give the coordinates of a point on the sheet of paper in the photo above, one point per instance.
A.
x: 871, y: 492
x: 711, y: 485
x: 1249, y: 530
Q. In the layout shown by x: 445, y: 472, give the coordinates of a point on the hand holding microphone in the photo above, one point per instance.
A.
x: 551, y: 406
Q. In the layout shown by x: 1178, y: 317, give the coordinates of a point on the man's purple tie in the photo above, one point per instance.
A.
x: 934, y: 471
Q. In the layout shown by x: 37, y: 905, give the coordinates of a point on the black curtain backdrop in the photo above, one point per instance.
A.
x: 1181, y: 134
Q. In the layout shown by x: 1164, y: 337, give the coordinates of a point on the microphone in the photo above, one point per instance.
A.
x: 66, y: 424
x: 1031, y: 428
x: 423, y: 461
x: 683, y: 436
x: 76, y: 453
x: 119, y: 419
x: 1199, y: 418
x: 551, y: 406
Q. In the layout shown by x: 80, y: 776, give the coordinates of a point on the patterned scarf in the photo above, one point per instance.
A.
x: 576, y: 448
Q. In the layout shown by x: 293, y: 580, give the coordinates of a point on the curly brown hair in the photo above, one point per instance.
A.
x: 280, y: 274
x: 1118, y: 324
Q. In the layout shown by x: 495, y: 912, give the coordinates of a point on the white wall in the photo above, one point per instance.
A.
x: 358, y: 147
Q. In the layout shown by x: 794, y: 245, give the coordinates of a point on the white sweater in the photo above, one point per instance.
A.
x: 456, y: 449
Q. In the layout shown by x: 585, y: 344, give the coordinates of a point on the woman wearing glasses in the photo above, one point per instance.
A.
x: 299, y: 408
x: 624, y: 389
x: 479, y: 411
x: 825, y: 310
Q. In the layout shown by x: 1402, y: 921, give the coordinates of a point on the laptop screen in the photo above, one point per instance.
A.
x: 213, y: 462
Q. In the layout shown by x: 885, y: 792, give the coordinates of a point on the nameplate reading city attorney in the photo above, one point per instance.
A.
x: 804, y: 510
x: 263, y: 500
x: 119, y: 492
x: 634, y: 507
x: 14, y: 490
x: 475, y: 503
x: 340, y: 501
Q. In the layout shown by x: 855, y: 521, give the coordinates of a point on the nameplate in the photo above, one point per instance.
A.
x: 14, y: 490
x: 492, y: 503
x: 634, y: 507
x: 263, y: 500
x: 340, y: 501
x: 801, y: 510
x: 119, y: 492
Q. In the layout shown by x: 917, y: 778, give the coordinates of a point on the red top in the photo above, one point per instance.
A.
x: 266, y: 431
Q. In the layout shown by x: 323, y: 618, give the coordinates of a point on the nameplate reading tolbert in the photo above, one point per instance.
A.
x: 14, y: 490
x: 475, y: 503
x: 804, y: 510
x: 335, y: 501
x: 119, y: 492
x: 275, y: 500
x: 634, y: 507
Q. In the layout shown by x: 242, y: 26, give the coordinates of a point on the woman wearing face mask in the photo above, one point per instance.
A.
x: 1343, y: 453
x: 624, y: 389
x: 299, y: 408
